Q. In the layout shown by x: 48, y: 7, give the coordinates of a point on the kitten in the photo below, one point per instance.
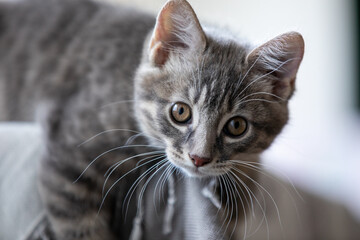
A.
x: 178, y: 110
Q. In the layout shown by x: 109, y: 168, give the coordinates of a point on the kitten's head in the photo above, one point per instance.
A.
x: 210, y: 100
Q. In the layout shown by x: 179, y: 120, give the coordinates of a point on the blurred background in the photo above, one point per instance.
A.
x: 320, y: 148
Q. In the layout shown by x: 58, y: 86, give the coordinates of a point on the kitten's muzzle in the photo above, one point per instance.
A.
x: 199, y: 161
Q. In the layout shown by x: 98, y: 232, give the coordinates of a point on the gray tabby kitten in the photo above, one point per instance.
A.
x: 177, y: 109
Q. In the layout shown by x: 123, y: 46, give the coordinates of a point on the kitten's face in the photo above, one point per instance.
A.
x: 206, y: 113
x: 212, y: 102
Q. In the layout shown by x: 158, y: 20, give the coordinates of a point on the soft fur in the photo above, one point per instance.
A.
x: 102, y: 80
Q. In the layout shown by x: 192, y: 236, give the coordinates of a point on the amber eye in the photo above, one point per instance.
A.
x: 235, y: 127
x: 180, y: 112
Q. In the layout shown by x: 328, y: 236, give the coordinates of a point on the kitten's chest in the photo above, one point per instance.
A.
x: 167, y: 206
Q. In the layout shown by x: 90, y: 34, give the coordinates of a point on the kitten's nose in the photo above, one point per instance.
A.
x: 199, y: 161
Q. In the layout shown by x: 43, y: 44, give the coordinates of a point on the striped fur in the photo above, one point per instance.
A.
x: 82, y: 68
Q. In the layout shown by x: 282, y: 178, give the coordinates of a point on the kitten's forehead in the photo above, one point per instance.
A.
x: 217, y: 74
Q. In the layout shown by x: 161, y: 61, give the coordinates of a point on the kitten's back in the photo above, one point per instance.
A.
x: 48, y: 45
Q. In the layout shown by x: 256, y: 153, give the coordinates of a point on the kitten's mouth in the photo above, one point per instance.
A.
x: 197, y: 172
x: 189, y: 170
x: 193, y: 171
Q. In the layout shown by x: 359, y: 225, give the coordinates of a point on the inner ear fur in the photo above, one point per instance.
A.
x: 177, y: 31
x: 280, y: 58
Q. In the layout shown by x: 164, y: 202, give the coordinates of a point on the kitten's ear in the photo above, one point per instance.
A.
x: 279, y: 58
x: 177, y: 30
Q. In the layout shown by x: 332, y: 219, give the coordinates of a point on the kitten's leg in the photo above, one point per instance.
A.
x: 73, y: 208
x: 73, y: 203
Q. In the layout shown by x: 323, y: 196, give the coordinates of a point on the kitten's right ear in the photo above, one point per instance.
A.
x: 177, y: 30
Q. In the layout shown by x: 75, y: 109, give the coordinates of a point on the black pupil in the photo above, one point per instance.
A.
x: 181, y: 110
x: 236, y: 124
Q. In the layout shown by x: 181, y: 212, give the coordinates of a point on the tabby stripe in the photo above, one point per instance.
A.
x: 71, y: 197
x: 70, y: 173
x: 62, y: 213
x: 271, y: 129
x: 76, y: 234
x: 197, y: 96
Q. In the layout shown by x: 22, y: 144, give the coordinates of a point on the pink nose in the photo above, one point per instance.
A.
x: 199, y: 161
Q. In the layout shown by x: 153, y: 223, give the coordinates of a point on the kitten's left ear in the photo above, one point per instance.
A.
x: 280, y: 58
x: 177, y: 31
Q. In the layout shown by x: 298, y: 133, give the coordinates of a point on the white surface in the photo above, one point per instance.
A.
x: 20, y: 150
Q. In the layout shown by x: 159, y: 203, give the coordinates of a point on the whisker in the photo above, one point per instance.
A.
x: 137, y: 166
x: 251, y: 204
x: 106, y: 131
x: 255, y: 100
x: 106, y: 152
x: 115, y: 165
x: 132, y: 138
x: 260, y: 170
x: 234, y: 190
x: 171, y: 172
x: 247, y: 189
x: 257, y: 201
x: 108, y: 191
x: 263, y: 218
x: 227, y: 203
x: 119, y: 129
x: 262, y: 93
x: 147, y: 182
x: 137, y: 181
x: 266, y: 191
x: 264, y: 75
x: 166, y: 179
x: 162, y: 176
x: 140, y: 161
x: 145, y: 185
x: 218, y: 178
x: 132, y: 170
x: 247, y: 72
x: 222, y: 192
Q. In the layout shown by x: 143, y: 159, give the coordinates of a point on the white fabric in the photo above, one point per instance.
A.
x: 20, y: 152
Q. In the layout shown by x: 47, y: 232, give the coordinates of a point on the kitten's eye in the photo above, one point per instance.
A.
x: 180, y: 112
x: 235, y: 127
